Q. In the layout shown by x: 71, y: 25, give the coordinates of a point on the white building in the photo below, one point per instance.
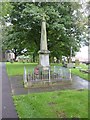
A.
x: 9, y: 55
x: 83, y: 54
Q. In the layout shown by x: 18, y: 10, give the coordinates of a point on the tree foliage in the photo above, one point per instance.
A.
x: 64, y: 27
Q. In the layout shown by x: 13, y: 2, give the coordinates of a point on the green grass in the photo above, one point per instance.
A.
x: 57, y: 104
x: 77, y: 72
x: 80, y: 74
x: 18, y: 68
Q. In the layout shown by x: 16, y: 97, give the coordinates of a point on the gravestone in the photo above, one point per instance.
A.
x: 70, y: 65
x: 77, y: 62
x: 42, y: 70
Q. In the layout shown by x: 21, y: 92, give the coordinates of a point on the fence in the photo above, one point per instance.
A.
x: 40, y: 75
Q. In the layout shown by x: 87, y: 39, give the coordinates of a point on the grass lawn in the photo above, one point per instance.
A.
x: 18, y: 69
x: 80, y: 74
x: 77, y: 72
x: 57, y: 104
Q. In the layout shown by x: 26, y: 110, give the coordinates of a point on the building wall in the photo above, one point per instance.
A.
x: 9, y: 56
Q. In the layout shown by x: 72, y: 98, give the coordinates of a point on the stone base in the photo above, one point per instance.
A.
x: 44, y: 60
x: 39, y: 69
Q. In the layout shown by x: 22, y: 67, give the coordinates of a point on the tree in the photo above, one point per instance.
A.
x: 63, y: 28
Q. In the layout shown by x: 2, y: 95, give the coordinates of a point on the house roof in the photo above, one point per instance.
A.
x: 9, y: 51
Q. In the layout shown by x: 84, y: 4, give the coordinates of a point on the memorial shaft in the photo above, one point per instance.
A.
x: 43, y: 45
x: 44, y: 52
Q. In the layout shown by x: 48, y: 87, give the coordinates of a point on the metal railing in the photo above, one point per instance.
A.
x: 57, y: 74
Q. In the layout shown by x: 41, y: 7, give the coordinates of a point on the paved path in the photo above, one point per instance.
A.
x: 0, y: 90
x: 8, y: 109
x: 18, y: 88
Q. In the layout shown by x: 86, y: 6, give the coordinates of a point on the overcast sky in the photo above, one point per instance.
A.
x: 83, y: 54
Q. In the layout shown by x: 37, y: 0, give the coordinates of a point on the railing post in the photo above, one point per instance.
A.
x: 25, y: 75
x: 25, y: 78
x: 70, y: 75
x: 49, y: 76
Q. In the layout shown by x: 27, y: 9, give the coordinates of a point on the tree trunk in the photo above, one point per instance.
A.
x: 61, y: 59
x: 68, y: 59
x: 15, y: 52
x: 15, y: 55
x: 33, y: 57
